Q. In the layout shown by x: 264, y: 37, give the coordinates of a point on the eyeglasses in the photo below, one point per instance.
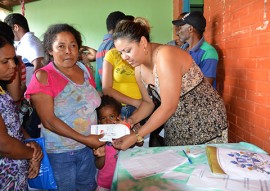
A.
x: 154, y: 95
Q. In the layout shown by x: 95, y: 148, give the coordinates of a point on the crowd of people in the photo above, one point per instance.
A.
x: 149, y: 85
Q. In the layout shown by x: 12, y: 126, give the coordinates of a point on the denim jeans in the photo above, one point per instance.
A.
x: 74, y: 170
x: 127, y: 111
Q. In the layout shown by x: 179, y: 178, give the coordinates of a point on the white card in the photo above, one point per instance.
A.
x: 110, y: 131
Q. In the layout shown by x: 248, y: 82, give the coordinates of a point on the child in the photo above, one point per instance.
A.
x: 106, y: 156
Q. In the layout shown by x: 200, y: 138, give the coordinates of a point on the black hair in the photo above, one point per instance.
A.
x: 4, y: 40
x: 50, y: 36
x: 17, y: 18
x: 113, y: 18
x: 129, y: 18
x: 132, y: 30
x: 7, y: 32
x: 109, y: 101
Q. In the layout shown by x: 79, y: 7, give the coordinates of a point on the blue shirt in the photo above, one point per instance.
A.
x: 206, y: 57
x: 104, y: 47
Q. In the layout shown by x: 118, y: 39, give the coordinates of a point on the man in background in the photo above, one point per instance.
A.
x: 177, y: 41
x: 29, y: 48
x: 107, y: 44
x: 191, y: 29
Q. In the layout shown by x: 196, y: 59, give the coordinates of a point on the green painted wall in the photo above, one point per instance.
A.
x: 196, y: 2
x: 89, y: 16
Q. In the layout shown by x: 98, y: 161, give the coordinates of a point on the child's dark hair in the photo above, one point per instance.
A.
x: 109, y: 101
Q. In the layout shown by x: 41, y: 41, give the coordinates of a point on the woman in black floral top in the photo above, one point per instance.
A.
x: 191, y: 110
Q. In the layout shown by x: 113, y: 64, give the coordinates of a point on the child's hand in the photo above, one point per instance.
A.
x: 100, y: 152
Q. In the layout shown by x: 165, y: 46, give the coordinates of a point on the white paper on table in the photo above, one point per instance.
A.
x: 110, y: 131
x: 203, y: 177
x: 175, y: 175
x: 195, y: 151
x: 245, y: 164
x: 150, y: 164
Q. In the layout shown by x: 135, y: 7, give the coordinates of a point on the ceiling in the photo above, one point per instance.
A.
x: 8, y: 4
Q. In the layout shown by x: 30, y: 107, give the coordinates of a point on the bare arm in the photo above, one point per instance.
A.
x: 169, y: 70
x: 11, y: 147
x: 147, y: 106
x: 107, y: 84
x: 44, y: 105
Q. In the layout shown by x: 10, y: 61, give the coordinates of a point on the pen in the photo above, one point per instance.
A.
x: 189, y: 159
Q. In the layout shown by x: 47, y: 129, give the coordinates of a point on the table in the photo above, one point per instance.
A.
x: 124, y: 181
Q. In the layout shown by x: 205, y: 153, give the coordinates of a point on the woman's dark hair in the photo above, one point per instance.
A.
x: 50, y: 36
x: 6, y: 31
x: 4, y: 40
x: 132, y: 30
x: 109, y: 101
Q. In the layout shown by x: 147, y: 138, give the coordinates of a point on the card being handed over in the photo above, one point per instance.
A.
x: 110, y: 131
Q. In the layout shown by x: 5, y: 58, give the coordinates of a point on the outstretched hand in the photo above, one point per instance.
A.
x: 125, y: 142
x: 93, y: 141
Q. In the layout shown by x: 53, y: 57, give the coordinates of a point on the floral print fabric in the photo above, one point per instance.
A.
x: 200, y: 116
x: 13, y: 173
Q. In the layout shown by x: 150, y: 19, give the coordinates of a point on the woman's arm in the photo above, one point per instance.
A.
x: 107, y: 84
x: 44, y: 104
x: 147, y: 106
x: 170, y: 79
x: 11, y: 147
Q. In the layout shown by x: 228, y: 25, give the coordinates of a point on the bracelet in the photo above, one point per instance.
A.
x: 139, y: 138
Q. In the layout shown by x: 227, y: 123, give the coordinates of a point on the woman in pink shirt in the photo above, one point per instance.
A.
x: 65, y: 98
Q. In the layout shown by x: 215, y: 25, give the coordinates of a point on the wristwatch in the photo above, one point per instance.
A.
x: 139, y: 138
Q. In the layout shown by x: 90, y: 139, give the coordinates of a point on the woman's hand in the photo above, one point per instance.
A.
x: 38, y: 154
x: 123, y: 143
x: 93, y: 141
x: 34, y: 167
